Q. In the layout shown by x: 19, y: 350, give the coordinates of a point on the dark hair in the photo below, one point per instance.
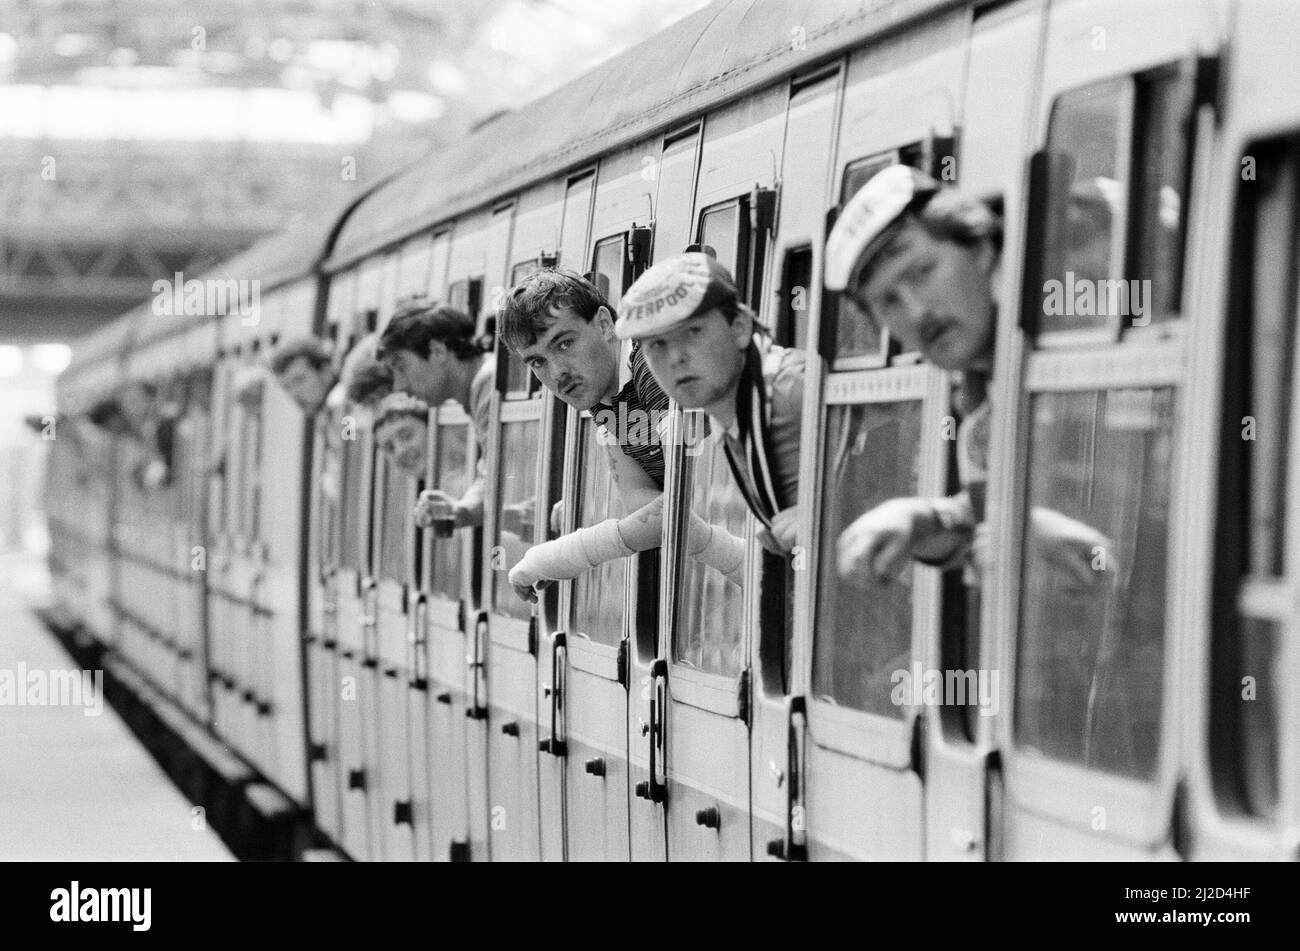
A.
x: 369, y: 381
x: 419, y: 321
x: 312, y: 349
x: 530, y: 306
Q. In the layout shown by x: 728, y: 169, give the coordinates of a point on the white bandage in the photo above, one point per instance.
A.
x: 717, y: 548
x: 570, y: 555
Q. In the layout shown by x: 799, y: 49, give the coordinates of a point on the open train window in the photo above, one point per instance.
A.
x: 1107, y: 219
x: 1252, y: 604
x: 395, y: 523
x: 863, y: 632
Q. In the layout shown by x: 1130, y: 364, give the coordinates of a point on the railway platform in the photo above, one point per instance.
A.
x: 75, y: 783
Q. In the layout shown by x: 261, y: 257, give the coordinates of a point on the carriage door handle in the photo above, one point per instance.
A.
x: 557, y: 744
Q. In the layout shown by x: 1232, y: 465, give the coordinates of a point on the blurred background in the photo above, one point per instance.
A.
x: 139, y: 138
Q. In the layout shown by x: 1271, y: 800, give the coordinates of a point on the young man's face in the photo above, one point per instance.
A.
x: 935, y: 295
x: 403, y: 439
x: 425, y: 377
x: 306, y: 385
x: 699, y: 361
x: 575, y: 359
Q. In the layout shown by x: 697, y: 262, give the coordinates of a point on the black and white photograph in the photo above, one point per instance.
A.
x: 567, y: 431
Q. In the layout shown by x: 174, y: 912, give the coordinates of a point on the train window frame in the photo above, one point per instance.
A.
x: 1130, y: 227
x: 705, y: 689
x: 585, y: 442
x: 505, y: 627
x: 596, y: 276
x: 644, y: 591
x: 450, y: 415
x: 858, y: 732
x: 466, y: 295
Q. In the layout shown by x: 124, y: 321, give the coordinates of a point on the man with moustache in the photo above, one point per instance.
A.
x: 922, y: 261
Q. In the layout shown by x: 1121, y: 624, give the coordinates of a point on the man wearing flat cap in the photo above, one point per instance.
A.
x: 922, y: 261
x: 707, y: 352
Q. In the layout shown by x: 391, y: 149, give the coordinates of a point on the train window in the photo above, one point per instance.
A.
x: 791, y: 328
x: 519, y: 383
x: 399, y: 498
x: 709, y: 635
x: 864, y: 631
x: 250, y: 457
x: 609, y: 268
x: 721, y: 229
x: 1091, y: 645
x: 598, y: 594
x: 354, y: 496
x: 450, y: 477
x: 1251, y: 601
x: 577, y: 219
x: 1107, y: 215
x: 516, y: 498
x: 466, y: 296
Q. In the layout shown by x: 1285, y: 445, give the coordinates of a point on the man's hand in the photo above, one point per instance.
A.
x: 785, y: 530
x: 528, y: 592
x: 433, y: 501
x: 879, y: 543
x: 1083, y: 554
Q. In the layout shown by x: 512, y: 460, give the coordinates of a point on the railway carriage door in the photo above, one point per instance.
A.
x: 585, y: 722
x: 442, y: 625
x: 805, y: 188
x: 1095, y: 725
x: 858, y: 765
x: 395, y: 545
x: 354, y: 695
x: 1001, y: 77
x: 700, y: 685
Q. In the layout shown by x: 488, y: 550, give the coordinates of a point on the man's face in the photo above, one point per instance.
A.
x: 575, y: 359
x: 699, y: 361
x: 305, y: 384
x: 424, y: 377
x: 403, y: 439
x: 934, y: 295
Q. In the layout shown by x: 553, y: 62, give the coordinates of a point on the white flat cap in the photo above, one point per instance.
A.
x: 867, y: 216
x: 672, y: 291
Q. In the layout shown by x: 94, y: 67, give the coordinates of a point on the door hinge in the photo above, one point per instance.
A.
x: 742, y: 696
x: 622, y: 663
x: 918, y: 746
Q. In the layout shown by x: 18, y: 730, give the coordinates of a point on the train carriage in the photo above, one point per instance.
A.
x: 654, y: 710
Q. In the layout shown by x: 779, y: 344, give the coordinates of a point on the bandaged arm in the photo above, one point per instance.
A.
x: 580, y: 551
